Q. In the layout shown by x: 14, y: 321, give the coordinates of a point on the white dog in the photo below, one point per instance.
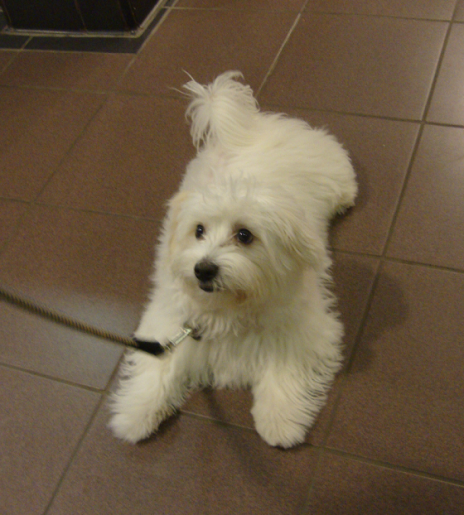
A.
x: 243, y: 259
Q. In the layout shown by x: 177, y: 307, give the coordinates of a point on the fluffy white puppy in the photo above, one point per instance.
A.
x: 243, y: 259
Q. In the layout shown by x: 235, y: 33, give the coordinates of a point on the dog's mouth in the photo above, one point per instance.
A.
x: 207, y: 286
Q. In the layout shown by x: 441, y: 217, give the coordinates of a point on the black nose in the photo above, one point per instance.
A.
x: 206, y: 271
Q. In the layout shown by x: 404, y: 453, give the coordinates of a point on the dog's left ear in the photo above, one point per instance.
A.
x: 306, y: 244
x: 299, y: 238
x: 172, y: 219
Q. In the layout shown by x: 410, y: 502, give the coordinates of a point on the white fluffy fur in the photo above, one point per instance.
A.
x: 269, y: 322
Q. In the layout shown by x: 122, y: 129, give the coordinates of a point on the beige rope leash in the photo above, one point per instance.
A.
x: 152, y: 347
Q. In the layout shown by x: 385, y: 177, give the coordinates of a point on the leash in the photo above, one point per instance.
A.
x: 154, y: 348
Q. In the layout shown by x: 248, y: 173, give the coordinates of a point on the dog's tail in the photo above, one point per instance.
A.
x: 222, y: 112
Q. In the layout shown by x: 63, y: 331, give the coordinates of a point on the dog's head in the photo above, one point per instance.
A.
x: 239, y: 242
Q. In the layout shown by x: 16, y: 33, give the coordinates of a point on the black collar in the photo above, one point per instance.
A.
x: 156, y: 348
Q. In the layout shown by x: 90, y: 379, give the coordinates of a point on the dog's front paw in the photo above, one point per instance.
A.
x: 133, y: 423
x: 126, y: 428
x: 278, y: 431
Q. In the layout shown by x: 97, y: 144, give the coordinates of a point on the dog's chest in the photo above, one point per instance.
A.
x: 230, y: 360
x: 235, y: 361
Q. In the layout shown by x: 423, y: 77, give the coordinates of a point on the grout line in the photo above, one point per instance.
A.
x: 137, y: 218
x: 417, y: 144
x: 392, y: 259
x: 15, y: 230
x: 437, y: 72
x: 443, y: 124
x: 15, y: 52
x: 279, y: 105
x: 442, y: 268
x: 114, y: 375
x: 72, y: 51
x: 14, y: 200
x: 455, y: 11
x: 212, y: 420
x: 110, y: 91
x: 55, y: 379
x: 18, y: 227
x: 312, y: 482
x: 241, y: 10
x: 335, y: 250
x: 55, y: 89
x: 394, y: 468
x: 382, y: 16
x: 357, y: 339
x: 343, y: 375
x: 169, y: 93
x: 276, y: 58
x: 303, y: 7
x: 74, y: 454
x: 71, y: 147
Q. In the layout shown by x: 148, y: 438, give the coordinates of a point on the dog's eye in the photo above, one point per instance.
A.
x: 199, y: 231
x: 244, y: 236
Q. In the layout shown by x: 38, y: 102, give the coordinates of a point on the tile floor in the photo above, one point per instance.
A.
x: 91, y: 146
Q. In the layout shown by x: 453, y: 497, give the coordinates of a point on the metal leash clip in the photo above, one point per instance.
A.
x: 184, y: 333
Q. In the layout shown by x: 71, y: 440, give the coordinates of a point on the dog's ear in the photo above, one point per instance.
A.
x: 172, y: 220
x: 176, y: 202
x: 305, y: 243
x: 299, y: 238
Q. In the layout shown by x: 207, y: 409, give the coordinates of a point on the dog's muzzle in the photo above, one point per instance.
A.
x: 206, y: 272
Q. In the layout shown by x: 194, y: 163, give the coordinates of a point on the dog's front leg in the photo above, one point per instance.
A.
x: 151, y: 388
x: 282, y: 409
